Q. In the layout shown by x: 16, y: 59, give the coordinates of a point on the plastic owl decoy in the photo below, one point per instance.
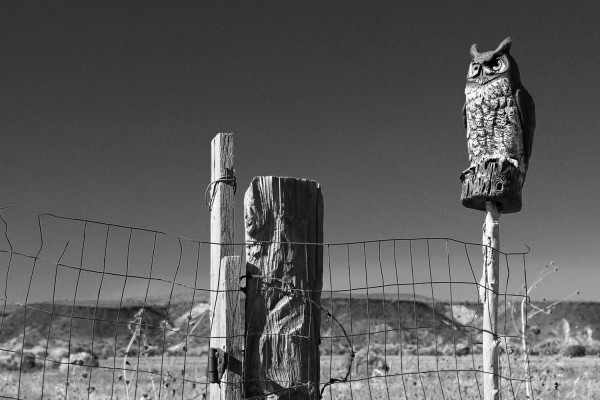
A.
x: 499, y: 115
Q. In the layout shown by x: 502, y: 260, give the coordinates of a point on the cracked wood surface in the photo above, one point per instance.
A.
x: 283, y: 217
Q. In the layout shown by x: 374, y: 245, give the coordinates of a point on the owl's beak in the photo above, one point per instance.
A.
x: 483, y: 79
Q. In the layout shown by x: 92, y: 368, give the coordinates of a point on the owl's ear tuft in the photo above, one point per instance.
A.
x: 504, y: 47
x: 474, y: 51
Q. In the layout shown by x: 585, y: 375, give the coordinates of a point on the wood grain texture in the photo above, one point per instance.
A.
x: 283, y: 217
x: 221, y: 215
x: 221, y: 237
x: 488, y: 293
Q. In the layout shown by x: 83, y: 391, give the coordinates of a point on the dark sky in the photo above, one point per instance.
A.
x: 107, y: 110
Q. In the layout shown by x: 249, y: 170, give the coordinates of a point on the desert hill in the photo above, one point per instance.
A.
x: 407, y: 323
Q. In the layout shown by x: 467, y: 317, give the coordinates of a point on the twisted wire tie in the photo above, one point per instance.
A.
x: 228, y: 179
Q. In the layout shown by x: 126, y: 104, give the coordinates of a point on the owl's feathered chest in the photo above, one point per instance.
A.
x: 493, y: 126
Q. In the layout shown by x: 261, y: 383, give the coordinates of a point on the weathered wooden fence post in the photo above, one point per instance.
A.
x: 284, y: 267
x: 499, y: 116
x: 226, y: 327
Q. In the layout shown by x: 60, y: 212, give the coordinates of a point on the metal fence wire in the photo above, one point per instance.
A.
x: 104, y: 311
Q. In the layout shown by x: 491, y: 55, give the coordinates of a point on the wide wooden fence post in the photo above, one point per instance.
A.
x: 284, y: 270
x: 226, y: 335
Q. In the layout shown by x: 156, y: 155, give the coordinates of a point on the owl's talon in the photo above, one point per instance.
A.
x: 514, y: 162
x: 466, y: 172
x: 509, y: 160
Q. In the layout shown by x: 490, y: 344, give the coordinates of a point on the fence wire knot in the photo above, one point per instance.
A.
x: 211, y: 189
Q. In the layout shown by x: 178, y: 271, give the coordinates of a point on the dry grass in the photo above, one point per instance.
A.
x: 164, y: 381
x: 555, y: 378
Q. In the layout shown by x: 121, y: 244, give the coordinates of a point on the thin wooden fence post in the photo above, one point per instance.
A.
x: 226, y: 330
x: 489, y: 298
x: 284, y: 270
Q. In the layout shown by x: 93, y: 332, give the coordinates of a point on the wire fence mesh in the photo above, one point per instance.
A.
x: 109, y: 311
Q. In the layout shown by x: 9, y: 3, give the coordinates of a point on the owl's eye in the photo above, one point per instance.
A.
x: 495, y: 66
x: 474, y: 69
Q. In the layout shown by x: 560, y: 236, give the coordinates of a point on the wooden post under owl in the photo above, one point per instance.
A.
x: 499, y: 115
